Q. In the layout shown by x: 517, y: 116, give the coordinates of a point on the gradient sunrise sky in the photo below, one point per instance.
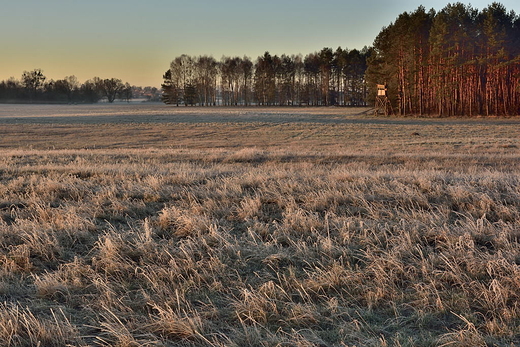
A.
x: 136, y: 40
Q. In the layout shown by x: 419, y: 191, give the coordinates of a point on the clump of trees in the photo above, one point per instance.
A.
x: 325, y: 78
x: 34, y: 87
x: 146, y: 93
x: 458, y: 61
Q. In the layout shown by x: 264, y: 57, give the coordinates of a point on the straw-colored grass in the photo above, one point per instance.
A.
x: 343, y: 235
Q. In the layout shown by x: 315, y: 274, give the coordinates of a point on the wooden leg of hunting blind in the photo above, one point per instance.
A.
x: 382, y: 103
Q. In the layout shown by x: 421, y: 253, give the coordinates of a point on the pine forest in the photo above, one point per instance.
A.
x: 457, y: 61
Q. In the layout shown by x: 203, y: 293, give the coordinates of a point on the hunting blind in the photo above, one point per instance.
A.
x: 382, y: 102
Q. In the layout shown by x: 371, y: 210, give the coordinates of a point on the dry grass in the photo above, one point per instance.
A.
x: 343, y: 235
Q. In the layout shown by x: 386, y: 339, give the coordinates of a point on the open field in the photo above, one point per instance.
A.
x: 156, y: 226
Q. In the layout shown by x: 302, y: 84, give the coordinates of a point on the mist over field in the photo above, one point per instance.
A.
x: 154, y: 225
x: 159, y: 113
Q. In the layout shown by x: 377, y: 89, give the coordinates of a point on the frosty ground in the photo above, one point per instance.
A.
x: 141, y: 225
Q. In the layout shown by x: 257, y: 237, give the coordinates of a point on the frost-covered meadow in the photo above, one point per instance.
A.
x: 150, y: 225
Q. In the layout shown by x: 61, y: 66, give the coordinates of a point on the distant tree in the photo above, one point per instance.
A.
x: 126, y: 93
x: 326, y: 56
x: 286, y: 80
x: 190, y: 94
x: 339, y: 63
x: 246, y: 75
x: 10, y: 90
x: 297, y: 79
x: 230, y: 79
x: 110, y: 88
x: 170, y: 89
x: 67, y: 87
x: 206, y: 79
x: 151, y: 93
x: 89, y: 92
x: 182, y: 73
x: 265, y: 79
x: 498, y: 49
x: 33, y: 82
x: 453, y: 38
x: 355, y: 76
x: 312, y: 79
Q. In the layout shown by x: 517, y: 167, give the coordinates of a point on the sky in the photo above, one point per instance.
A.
x: 136, y: 40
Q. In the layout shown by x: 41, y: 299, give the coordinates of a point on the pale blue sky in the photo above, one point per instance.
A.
x: 135, y: 40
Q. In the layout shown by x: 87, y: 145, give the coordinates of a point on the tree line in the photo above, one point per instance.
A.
x: 458, y: 61
x: 325, y: 78
x: 34, y: 87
